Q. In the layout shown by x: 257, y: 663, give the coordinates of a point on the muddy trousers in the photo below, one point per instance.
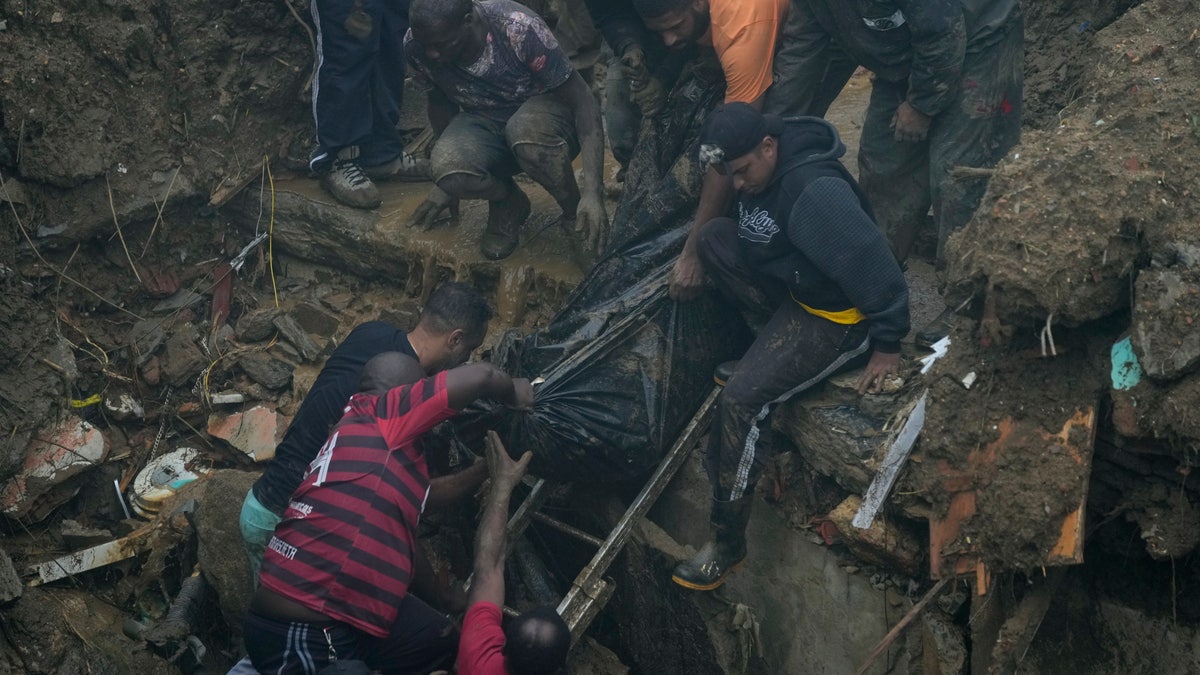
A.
x: 477, y: 156
x: 904, y: 180
x: 359, y: 79
x: 793, y: 351
x: 421, y: 641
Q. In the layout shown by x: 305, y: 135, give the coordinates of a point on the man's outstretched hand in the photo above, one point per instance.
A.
x: 429, y: 212
x: 687, y: 277
x: 504, y: 471
x: 878, y: 368
x: 591, y: 222
x: 909, y: 124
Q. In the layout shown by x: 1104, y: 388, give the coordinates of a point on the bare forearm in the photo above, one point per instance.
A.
x: 591, y: 134
x: 715, y: 193
x: 446, y: 490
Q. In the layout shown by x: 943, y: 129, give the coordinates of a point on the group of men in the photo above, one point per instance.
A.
x: 812, y: 258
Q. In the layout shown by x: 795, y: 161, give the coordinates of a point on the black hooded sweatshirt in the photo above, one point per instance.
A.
x: 813, y: 230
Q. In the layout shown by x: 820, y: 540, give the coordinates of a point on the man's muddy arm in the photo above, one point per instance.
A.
x: 687, y: 277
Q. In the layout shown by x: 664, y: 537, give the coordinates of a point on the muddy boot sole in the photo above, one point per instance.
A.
x: 712, y: 585
x: 505, y: 219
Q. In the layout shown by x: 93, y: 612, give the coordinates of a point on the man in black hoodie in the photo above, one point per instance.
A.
x: 806, y: 263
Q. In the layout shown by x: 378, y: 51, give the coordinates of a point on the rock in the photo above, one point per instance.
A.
x: 221, y: 552
x: 946, y: 639
x: 1166, y: 322
x: 266, y: 370
x: 122, y: 406
x: 884, y: 544
x: 314, y: 319
x: 181, y: 299
x: 184, y: 361
x: 257, y: 325
x: 144, y: 339
x: 57, y: 454
x: 11, y: 587
x: 403, y: 316
x: 75, y: 536
x: 295, y: 335
x: 337, y: 301
x: 151, y: 371
x: 1169, y: 522
x: 255, y: 432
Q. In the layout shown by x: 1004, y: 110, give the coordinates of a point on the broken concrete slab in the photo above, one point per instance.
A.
x: 266, y: 370
x: 255, y: 432
x: 76, y: 536
x: 144, y: 338
x: 295, y: 335
x: 314, y: 319
x: 11, y: 587
x: 1166, y: 305
x: 55, y: 455
x: 257, y: 325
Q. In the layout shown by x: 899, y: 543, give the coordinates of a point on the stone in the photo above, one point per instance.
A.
x: 151, y: 371
x: 184, y: 360
x: 1166, y: 322
x: 314, y: 319
x: 295, y: 335
x: 221, y: 553
x: 11, y: 587
x: 75, y: 536
x: 255, y: 432
x: 884, y: 544
x: 266, y: 370
x: 181, y: 299
x: 338, y: 301
x: 144, y: 339
x: 257, y: 325
x: 404, y: 316
x: 55, y: 455
x: 947, y: 641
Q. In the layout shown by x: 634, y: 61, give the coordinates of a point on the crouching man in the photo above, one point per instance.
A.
x: 805, y: 262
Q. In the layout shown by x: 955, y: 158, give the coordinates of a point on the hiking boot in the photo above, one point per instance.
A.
x: 349, y: 185
x: 722, y: 554
x: 405, y: 167
x: 505, y: 218
x: 724, y: 371
x: 936, y: 330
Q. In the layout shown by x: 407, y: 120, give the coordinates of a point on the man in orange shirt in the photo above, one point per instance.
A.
x: 745, y: 35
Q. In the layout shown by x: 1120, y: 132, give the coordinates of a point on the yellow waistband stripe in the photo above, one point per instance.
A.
x: 846, y: 317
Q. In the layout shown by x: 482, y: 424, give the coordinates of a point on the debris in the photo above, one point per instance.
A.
x: 159, y: 282
x: 901, y: 625
x: 91, y: 558
x: 226, y: 397
x: 174, y: 636
x: 882, y: 543
x: 256, y: 325
x: 314, y: 319
x: 1169, y: 522
x: 939, y: 350
x: 184, y: 360
x: 266, y: 370
x: 123, y: 407
x: 145, y: 338
x: 255, y: 432
x: 1167, y: 343
x: 162, y: 477
x: 76, y: 536
x: 55, y: 455
x: 183, y: 298
x: 969, y: 379
x: 222, y: 294
x: 1126, y: 370
x: 10, y: 584
x: 1018, y: 631
x: 292, y: 332
x: 893, y: 461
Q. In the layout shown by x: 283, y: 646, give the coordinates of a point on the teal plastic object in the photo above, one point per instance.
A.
x: 1126, y: 371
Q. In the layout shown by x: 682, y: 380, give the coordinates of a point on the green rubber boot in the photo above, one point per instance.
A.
x: 722, y: 554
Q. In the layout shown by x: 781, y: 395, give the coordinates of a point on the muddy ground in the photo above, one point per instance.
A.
x: 119, y: 122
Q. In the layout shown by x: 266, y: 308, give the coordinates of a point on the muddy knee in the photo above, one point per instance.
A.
x: 468, y: 186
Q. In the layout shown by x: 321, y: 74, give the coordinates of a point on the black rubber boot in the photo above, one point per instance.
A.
x: 505, y: 218
x: 724, y: 371
x: 723, y: 553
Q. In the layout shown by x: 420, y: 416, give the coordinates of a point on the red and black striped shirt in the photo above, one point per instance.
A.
x: 344, y: 547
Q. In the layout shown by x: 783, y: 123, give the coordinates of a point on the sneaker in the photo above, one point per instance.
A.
x: 350, y: 186
x: 405, y: 167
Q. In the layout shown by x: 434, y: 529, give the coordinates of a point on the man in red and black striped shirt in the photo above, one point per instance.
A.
x: 334, y: 582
